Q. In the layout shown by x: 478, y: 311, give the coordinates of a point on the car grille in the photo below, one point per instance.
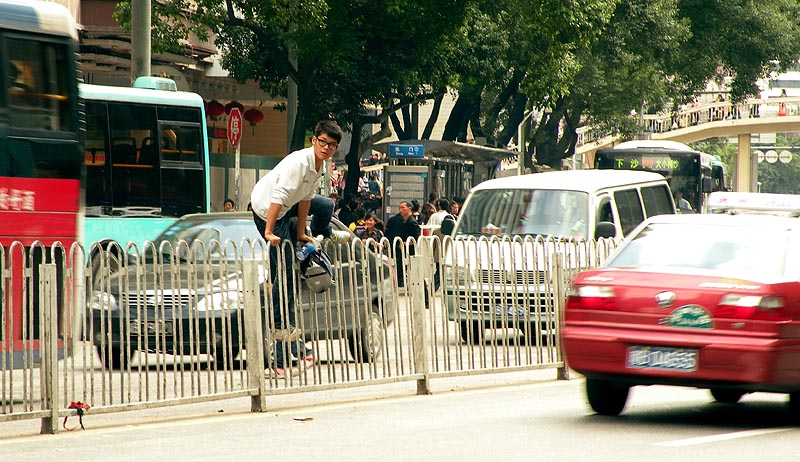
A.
x: 166, y: 300
x: 511, y: 277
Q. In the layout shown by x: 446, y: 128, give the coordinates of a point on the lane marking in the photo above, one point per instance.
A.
x: 723, y: 437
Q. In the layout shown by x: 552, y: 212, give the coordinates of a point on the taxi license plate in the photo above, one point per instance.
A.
x: 662, y: 358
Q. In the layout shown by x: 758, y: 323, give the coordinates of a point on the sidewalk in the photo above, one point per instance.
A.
x: 302, y: 403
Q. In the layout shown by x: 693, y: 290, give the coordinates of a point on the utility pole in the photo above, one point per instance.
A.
x: 140, y: 38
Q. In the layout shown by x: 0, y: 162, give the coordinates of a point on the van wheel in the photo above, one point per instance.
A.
x: 472, y: 332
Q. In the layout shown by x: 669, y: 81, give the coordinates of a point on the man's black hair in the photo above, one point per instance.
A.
x: 329, y: 128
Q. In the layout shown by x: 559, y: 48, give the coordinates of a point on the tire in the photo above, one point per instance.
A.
x: 472, y: 332
x: 794, y: 405
x: 367, y: 344
x: 605, y: 397
x: 114, y: 358
x: 97, y: 269
x: 727, y: 396
x: 546, y: 339
x: 221, y: 355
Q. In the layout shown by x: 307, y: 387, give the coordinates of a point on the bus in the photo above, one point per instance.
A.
x: 691, y: 173
x: 41, y: 167
x: 146, y: 159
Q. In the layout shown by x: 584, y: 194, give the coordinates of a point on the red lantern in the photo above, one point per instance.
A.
x: 253, y: 116
x: 232, y: 105
x: 215, y: 108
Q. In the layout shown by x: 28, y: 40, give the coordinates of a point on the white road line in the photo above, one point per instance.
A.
x: 723, y: 437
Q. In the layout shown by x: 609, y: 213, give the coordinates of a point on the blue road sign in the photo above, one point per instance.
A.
x: 401, y: 151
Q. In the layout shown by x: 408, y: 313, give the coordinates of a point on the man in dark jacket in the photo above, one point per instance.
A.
x: 402, y: 226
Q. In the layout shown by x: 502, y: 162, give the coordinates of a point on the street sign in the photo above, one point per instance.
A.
x: 402, y: 151
x: 235, y: 126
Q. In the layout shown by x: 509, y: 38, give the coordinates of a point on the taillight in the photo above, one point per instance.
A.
x: 759, y: 307
x: 592, y: 298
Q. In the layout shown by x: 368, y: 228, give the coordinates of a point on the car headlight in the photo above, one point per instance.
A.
x: 103, y: 301
x: 219, y: 301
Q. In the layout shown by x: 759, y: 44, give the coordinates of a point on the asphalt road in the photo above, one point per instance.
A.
x: 512, y: 417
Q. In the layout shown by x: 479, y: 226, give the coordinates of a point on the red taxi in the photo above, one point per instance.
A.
x: 708, y: 301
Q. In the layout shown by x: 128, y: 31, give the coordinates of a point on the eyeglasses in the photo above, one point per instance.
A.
x: 324, y: 144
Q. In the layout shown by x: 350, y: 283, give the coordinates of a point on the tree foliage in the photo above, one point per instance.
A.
x: 568, y: 63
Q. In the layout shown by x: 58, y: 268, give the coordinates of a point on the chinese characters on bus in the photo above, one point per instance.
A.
x: 647, y: 162
x: 17, y: 199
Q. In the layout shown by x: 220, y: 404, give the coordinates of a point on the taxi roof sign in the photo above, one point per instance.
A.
x: 731, y: 202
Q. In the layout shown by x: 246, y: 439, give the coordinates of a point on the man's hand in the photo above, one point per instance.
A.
x: 272, y: 239
x: 303, y: 237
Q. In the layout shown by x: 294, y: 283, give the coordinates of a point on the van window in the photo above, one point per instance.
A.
x: 629, y: 209
x: 525, y: 212
x: 657, y: 201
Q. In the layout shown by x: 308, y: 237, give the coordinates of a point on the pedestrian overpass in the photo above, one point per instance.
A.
x: 703, y: 121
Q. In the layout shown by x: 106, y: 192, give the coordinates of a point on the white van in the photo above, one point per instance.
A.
x: 496, y: 268
x: 574, y: 203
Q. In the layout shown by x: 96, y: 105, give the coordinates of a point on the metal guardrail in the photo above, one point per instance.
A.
x: 142, y: 328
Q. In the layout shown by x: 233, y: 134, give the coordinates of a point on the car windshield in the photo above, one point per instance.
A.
x: 735, y: 251
x: 196, y: 233
x: 509, y: 212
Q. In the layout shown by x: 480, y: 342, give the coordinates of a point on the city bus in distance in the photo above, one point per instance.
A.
x: 693, y: 173
x: 146, y: 158
x: 41, y: 167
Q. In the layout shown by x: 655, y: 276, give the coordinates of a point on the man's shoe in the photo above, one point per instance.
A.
x: 281, y: 373
x: 340, y: 237
x: 290, y: 334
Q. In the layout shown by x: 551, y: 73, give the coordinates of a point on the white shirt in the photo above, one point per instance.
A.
x: 294, y: 179
x: 437, y: 218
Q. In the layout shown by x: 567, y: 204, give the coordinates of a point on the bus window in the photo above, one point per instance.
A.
x: 38, y: 92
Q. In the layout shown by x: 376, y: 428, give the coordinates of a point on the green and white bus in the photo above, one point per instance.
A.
x: 146, y: 158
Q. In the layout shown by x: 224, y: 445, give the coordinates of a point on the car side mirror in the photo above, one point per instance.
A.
x: 605, y: 229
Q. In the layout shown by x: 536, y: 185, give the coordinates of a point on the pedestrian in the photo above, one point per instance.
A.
x: 229, y: 205
x: 282, y: 200
x: 425, y: 213
x: 444, y: 210
x: 403, y: 225
x: 370, y: 231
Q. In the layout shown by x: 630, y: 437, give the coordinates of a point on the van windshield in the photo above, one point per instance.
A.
x: 513, y: 212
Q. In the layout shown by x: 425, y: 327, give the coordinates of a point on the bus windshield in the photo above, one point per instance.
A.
x: 689, y: 173
x: 540, y: 212
x: 146, y: 158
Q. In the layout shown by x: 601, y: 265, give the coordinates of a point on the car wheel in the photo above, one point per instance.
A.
x: 606, y: 398
x: 472, y: 332
x: 367, y: 344
x: 794, y: 404
x: 221, y: 356
x: 98, y: 271
x: 723, y: 395
x: 114, y: 358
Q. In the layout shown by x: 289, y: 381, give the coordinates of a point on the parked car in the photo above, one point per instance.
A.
x: 509, y: 228
x: 708, y: 301
x: 184, y: 295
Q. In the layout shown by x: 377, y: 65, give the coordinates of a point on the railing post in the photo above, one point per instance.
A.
x: 562, y: 373
x: 415, y: 279
x: 48, y: 348
x: 254, y: 335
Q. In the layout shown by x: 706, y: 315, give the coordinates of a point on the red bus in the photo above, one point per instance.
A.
x: 41, y: 167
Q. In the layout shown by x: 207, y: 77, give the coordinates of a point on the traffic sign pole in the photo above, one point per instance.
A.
x: 235, y: 138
